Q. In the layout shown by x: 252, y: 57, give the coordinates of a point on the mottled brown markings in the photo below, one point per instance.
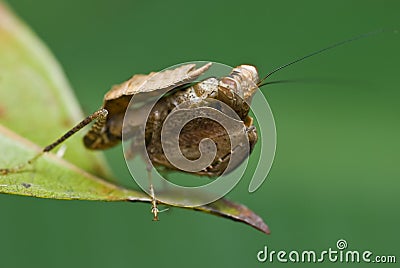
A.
x: 234, y: 90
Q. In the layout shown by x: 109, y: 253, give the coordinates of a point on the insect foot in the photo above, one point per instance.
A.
x: 21, y: 167
x: 154, y: 208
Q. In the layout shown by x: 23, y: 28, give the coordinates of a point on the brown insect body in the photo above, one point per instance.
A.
x: 235, y: 90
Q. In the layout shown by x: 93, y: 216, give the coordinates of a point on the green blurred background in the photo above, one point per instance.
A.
x: 336, y: 172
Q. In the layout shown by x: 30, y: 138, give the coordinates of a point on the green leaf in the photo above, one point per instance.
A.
x: 36, y: 106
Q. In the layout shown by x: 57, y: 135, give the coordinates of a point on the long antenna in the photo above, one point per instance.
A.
x: 320, y: 51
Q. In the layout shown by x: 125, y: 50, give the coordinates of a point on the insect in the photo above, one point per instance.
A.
x: 226, y: 90
x: 235, y: 90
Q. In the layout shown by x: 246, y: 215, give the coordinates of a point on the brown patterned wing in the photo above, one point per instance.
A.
x: 147, y: 86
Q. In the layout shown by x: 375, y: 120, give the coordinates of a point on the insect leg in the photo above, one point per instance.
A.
x: 154, y: 208
x: 100, y: 115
